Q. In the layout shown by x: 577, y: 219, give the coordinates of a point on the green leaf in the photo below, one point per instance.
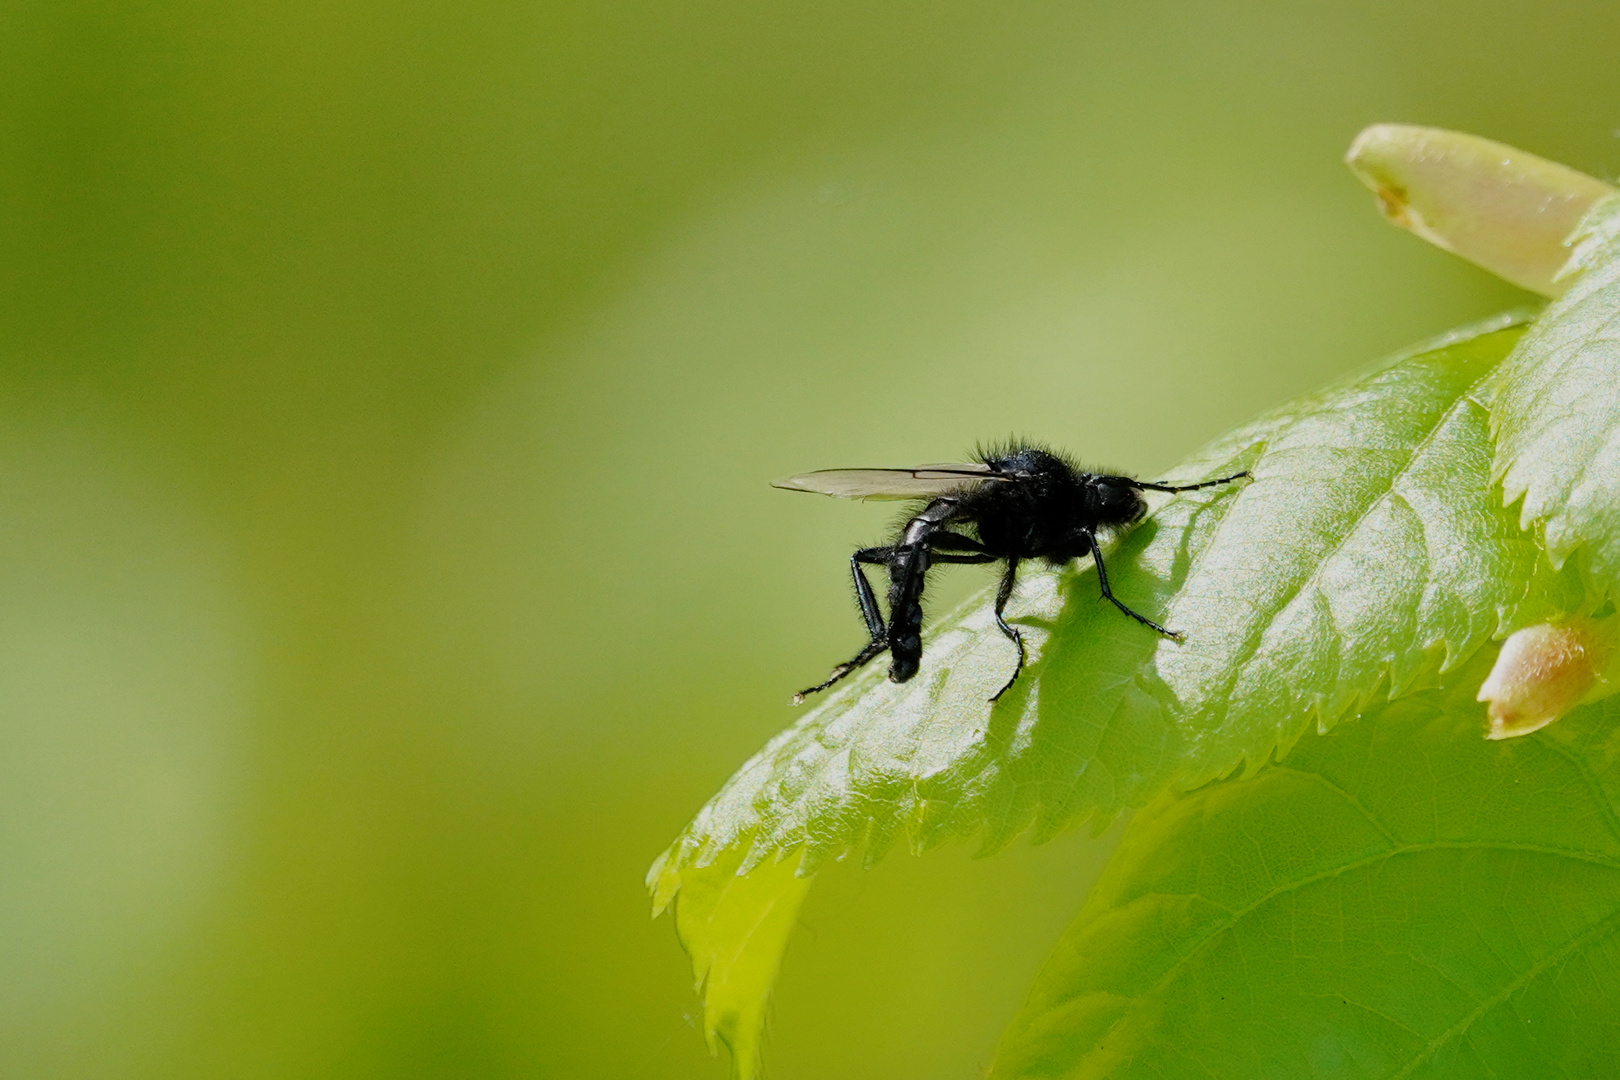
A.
x: 1367, y: 550
x: 1368, y: 553
x: 1400, y: 898
x: 1557, y: 412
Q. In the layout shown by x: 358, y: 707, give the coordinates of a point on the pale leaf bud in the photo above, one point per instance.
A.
x: 1502, y: 209
x: 1544, y: 671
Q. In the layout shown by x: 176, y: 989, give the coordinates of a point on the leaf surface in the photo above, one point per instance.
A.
x: 1399, y: 898
x: 1557, y: 413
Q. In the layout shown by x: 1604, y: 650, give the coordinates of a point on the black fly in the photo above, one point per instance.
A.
x: 1024, y: 502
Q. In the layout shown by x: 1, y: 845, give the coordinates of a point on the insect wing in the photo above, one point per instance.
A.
x: 921, y: 482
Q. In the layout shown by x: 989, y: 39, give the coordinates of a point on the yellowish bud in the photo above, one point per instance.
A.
x: 1502, y: 209
x: 1545, y: 671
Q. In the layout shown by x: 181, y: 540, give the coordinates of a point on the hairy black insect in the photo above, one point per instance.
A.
x: 1019, y: 502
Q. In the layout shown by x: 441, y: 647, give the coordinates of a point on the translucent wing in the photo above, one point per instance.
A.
x: 922, y: 482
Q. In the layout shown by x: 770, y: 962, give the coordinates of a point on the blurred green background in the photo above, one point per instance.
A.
x: 387, y: 396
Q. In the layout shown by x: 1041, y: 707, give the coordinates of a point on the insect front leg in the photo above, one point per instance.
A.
x: 1004, y: 594
x: 1108, y: 594
x: 867, y: 600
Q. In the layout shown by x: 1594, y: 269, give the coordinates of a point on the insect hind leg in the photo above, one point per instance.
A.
x: 870, y: 614
x: 873, y: 648
x: 874, y: 556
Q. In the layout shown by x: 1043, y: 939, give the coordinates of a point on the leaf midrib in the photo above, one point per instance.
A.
x: 1251, y: 647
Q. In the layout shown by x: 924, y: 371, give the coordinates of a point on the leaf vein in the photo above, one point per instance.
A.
x: 1593, y: 935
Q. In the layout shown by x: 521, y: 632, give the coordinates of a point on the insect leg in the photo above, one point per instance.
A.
x: 1102, y: 580
x: 872, y: 649
x: 863, y: 588
x: 1244, y: 475
x: 945, y: 540
x: 1003, y: 594
x: 869, y: 612
x: 966, y: 560
x: 908, y: 576
x: 949, y: 547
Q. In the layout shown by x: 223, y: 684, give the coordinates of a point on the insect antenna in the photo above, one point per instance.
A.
x: 1147, y: 485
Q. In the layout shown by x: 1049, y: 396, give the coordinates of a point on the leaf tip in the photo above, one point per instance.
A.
x: 663, y: 882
